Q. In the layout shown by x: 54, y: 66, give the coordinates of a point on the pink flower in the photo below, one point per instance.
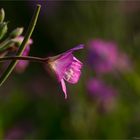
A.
x: 66, y: 67
x: 21, y: 65
x: 104, y: 57
x: 104, y: 94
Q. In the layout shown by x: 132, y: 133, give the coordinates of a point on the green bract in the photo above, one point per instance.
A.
x: 3, y: 29
x: 2, y: 15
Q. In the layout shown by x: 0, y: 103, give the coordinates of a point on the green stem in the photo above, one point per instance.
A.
x: 29, y: 58
x: 28, y: 34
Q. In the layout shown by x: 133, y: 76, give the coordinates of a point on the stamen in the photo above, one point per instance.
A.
x: 69, y: 74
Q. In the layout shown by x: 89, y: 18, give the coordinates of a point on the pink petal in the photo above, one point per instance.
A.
x: 60, y: 65
x: 81, y: 46
x: 73, y: 71
x: 64, y: 88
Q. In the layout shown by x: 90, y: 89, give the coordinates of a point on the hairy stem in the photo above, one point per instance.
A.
x: 28, y: 58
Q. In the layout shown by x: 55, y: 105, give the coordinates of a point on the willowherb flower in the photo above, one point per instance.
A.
x: 102, y: 92
x: 22, y: 64
x: 105, y: 57
x: 66, y: 67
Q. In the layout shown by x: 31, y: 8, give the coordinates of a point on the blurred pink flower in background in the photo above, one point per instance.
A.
x: 104, y: 56
x: 15, y: 133
x: 103, y: 93
x: 66, y: 67
x: 19, y: 131
x: 22, y: 64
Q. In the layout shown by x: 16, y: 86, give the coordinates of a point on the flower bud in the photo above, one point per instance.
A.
x: 3, y: 29
x: 17, y: 32
x: 2, y: 15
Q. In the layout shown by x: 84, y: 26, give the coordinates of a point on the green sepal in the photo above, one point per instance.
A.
x: 3, y: 29
x: 16, y: 32
x: 7, y: 45
x: 2, y: 15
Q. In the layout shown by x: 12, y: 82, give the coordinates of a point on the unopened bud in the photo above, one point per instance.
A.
x: 3, y: 29
x: 16, y: 32
x: 2, y: 15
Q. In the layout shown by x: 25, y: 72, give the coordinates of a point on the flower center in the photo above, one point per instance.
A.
x: 68, y: 74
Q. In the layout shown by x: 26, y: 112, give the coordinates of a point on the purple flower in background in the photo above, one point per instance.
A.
x: 15, y: 133
x: 102, y: 92
x: 66, y: 67
x: 22, y: 64
x: 19, y: 131
x: 104, y: 56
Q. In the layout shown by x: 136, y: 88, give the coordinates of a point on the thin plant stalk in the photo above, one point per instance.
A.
x: 27, y: 58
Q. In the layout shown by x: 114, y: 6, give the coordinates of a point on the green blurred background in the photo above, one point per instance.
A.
x: 32, y: 104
